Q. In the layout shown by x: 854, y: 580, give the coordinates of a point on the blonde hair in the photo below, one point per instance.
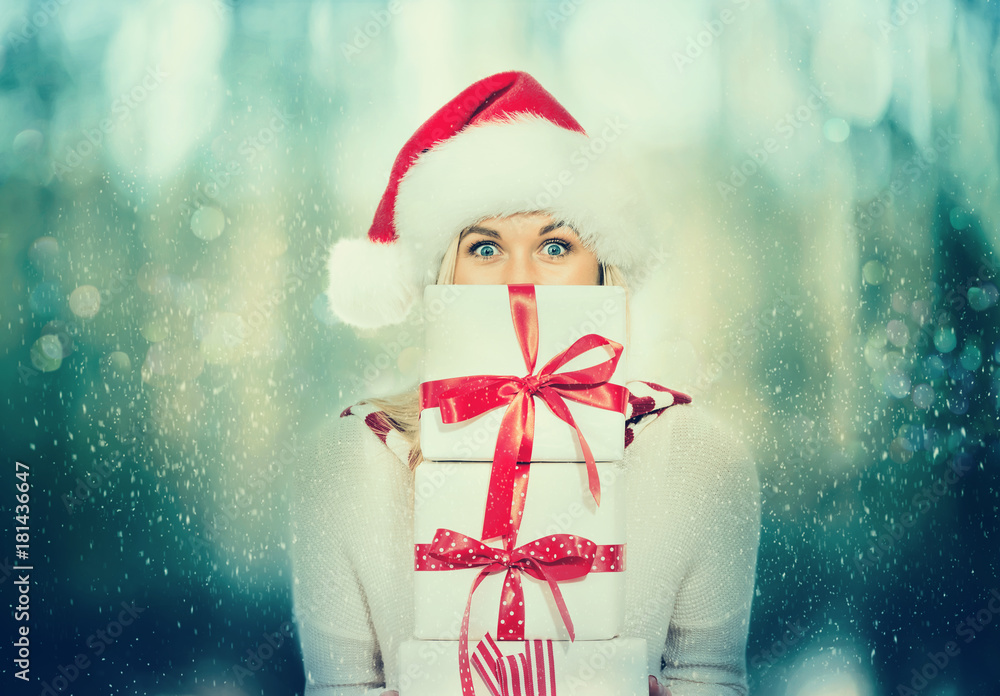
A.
x: 402, y: 411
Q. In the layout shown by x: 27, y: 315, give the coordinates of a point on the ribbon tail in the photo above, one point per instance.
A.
x: 486, y: 661
x: 499, y: 498
x: 528, y: 670
x: 464, y: 666
x: 511, y: 607
x: 561, y: 604
x: 500, y: 494
x: 540, y: 572
x: 527, y: 430
x: 593, y: 480
x: 551, y: 667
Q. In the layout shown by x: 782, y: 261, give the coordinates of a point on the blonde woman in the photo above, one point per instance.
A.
x: 492, y: 190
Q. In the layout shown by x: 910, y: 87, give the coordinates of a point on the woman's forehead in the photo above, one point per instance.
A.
x: 541, y: 221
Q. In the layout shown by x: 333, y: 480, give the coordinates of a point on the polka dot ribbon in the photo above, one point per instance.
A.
x: 552, y: 559
x: 463, y: 398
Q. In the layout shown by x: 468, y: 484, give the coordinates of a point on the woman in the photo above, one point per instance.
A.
x: 486, y: 191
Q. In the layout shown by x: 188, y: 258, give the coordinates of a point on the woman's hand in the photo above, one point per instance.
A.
x: 655, y: 688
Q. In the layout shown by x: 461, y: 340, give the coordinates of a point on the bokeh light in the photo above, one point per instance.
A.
x: 85, y: 301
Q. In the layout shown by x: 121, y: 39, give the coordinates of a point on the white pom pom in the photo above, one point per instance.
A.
x: 370, y: 285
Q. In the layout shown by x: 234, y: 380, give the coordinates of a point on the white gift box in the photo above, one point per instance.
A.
x: 452, y: 496
x: 470, y: 331
x: 614, y: 667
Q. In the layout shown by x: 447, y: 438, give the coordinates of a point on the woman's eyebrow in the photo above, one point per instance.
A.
x: 554, y: 226
x: 476, y: 229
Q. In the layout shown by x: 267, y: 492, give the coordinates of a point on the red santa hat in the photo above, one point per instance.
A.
x: 502, y: 146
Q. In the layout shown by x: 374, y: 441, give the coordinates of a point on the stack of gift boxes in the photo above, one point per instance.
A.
x: 519, y: 510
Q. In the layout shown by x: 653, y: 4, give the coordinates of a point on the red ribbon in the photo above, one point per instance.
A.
x: 554, y: 559
x: 462, y: 398
x: 528, y: 673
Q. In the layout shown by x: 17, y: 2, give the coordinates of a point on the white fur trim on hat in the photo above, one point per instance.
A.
x: 527, y: 163
x: 370, y: 285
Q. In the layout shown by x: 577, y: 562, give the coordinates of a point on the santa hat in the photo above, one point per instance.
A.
x: 502, y: 146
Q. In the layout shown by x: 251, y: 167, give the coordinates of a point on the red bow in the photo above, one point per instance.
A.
x: 528, y: 673
x: 552, y: 558
x: 462, y: 398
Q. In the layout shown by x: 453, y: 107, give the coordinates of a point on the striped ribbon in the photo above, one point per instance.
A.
x: 528, y: 673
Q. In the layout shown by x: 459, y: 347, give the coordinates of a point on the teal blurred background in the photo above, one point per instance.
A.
x: 824, y: 185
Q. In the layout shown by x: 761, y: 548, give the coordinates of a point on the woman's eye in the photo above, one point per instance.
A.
x: 485, y: 249
x: 555, y: 249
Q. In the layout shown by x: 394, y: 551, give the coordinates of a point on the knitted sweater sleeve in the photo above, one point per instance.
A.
x: 706, y: 645
x: 717, y: 505
x: 337, y: 637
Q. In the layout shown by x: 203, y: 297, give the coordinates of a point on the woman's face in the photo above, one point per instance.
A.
x: 527, y: 248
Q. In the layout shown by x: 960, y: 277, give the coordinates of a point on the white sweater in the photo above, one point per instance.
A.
x: 693, y: 528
